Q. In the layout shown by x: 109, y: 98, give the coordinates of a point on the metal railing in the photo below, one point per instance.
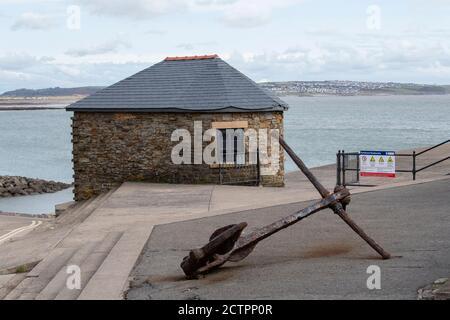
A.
x: 342, y: 165
x: 243, y: 168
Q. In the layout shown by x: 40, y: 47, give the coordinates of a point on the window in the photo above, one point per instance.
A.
x: 230, y: 141
x: 231, y: 146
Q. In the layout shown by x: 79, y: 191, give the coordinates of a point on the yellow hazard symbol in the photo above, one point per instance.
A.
x: 372, y: 159
x: 390, y: 160
x: 381, y: 160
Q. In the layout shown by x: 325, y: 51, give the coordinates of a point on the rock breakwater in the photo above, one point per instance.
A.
x: 13, y: 186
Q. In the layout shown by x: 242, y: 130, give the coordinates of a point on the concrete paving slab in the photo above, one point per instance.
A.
x: 9, y: 223
x: 13, y: 282
x: 90, y: 265
x: 58, y: 282
x: 19, y: 290
x: 4, y: 279
x: 110, y: 280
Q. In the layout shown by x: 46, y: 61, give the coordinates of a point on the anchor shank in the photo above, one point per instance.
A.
x: 303, y: 168
x: 266, y: 231
x: 336, y: 207
x: 344, y: 216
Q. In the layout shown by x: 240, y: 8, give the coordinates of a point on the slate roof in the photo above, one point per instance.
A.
x: 183, y: 84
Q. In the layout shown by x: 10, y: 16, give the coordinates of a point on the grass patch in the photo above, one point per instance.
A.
x: 23, y: 268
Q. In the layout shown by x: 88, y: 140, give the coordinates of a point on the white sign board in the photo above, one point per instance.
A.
x: 377, y: 164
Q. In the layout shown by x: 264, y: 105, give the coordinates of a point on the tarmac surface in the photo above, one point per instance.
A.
x: 10, y: 223
x: 318, y: 258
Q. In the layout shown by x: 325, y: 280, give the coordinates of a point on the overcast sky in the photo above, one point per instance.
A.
x: 98, y: 42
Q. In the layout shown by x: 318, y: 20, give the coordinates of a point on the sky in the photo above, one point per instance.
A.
x: 48, y: 43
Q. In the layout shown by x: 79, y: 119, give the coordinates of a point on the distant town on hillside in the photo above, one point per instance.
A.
x: 352, y: 88
x: 299, y: 88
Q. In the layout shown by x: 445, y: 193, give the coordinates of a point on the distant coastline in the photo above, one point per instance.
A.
x: 352, y: 88
x: 59, y: 98
x: 36, y: 103
x: 323, y: 95
x: 362, y: 94
x: 43, y: 99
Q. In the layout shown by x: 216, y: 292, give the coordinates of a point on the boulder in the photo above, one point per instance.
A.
x: 18, y: 186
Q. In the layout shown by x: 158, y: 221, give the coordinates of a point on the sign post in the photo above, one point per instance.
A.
x: 377, y: 164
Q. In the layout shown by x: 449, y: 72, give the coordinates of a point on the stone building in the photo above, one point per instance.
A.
x: 125, y: 131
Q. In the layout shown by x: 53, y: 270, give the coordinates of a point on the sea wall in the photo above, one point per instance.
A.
x: 13, y: 186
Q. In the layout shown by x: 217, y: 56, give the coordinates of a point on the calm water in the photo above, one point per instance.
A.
x: 37, y: 143
x: 317, y: 127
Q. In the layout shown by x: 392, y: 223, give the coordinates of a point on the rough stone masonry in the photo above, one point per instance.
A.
x: 112, y: 147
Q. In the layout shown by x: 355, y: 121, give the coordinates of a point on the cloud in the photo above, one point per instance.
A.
x: 388, y: 59
x: 186, y: 46
x: 243, y: 13
x: 12, y: 77
x: 196, y: 45
x: 233, y: 13
x: 248, y: 14
x: 385, y: 60
x: 20, y: 61
x: 136, y: 9
x: 19, y: 70
x: 436, y: 69
x: 33, y: 21
x: 155, y: 32
x: 69, y: 70
x: 107, y: 47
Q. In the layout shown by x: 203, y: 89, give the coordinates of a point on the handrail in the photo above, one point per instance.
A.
x: 341, y: 165
x: 415, y: 155
x: 434, y: 163
x: 434, y: 147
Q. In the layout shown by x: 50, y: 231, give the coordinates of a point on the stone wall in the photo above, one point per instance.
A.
x: 110, y: 148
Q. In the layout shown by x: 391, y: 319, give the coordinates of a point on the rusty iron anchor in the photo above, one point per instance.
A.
x: 226, y: 244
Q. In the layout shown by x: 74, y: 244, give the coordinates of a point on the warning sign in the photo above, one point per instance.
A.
x: 377, y: 164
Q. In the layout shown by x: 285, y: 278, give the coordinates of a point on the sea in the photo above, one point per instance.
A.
x: 37, y: 143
